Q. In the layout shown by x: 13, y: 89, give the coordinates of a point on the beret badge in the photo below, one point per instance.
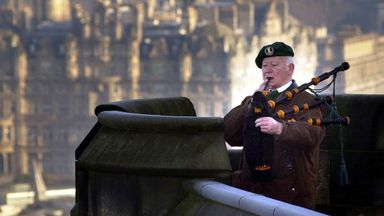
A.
x: 269, y: 51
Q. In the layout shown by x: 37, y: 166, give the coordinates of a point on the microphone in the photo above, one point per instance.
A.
x: 344, y: 66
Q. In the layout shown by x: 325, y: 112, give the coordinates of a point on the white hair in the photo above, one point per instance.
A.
x: 290, y: 60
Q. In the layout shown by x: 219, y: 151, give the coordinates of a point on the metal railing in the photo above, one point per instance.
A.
x: 244, y: 201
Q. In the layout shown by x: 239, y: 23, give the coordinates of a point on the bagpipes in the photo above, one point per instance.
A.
x: 258, y: 146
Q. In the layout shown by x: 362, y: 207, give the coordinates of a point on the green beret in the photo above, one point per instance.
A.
x: 275, y: 49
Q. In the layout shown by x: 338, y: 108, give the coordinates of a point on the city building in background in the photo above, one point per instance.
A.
x: 61, y: 58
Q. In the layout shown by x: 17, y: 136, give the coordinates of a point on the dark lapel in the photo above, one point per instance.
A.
x: 292, y: 86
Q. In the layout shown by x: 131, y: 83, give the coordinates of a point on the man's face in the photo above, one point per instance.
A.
x: 278, y: 69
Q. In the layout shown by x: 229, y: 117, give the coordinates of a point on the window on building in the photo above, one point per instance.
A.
x: 210, y: 108
x: 48, y: 137
x: 10, y: 162
x: 1, y: 164
x: 1, y: 109
x: 6, y: 108
x: 47, y: 163
x: 225, y: 107
x: 6, y: 89
x: 31, y: 108
x: 46, y: 108
x: 31, y: 157
x: 7, y: 134
x: 92, y: 100
x: 32, y: 136
x: 218, y: 107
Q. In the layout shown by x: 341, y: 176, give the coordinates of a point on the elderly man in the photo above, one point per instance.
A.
x: 295, y: 143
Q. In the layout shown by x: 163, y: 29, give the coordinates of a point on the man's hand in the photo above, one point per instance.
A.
x: 269, y: 125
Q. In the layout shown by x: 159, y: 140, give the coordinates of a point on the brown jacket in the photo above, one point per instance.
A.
x: 296, y: 154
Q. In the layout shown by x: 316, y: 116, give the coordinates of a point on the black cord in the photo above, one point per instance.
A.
x: 335, y: 115
x: 319, y: 90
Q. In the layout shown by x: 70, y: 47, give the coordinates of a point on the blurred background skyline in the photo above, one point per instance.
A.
x: 61, y: 58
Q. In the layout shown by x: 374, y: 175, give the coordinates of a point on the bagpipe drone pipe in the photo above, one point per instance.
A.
x: 258, y: 146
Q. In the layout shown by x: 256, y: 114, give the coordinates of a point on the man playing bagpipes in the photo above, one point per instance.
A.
x: 280, y: 152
